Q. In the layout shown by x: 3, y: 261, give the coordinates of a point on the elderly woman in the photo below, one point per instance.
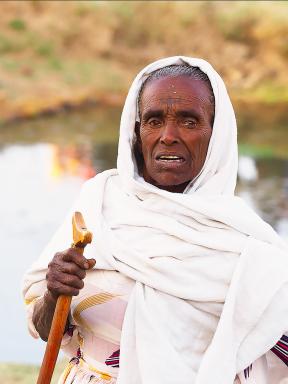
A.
x: 189, y: 284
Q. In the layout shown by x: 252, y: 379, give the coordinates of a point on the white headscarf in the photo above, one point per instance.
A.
x: 220, y: 170
x: 196, y: 257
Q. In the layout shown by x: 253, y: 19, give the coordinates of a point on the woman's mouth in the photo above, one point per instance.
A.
x: 170, y: 158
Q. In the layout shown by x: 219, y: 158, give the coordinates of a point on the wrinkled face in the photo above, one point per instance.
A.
x: 175, y: 129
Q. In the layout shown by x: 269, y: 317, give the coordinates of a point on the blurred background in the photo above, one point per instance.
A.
x: 65, y: 68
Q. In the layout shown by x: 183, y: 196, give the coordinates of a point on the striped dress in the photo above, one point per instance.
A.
x: 93, y: 338
x: 281, y: 349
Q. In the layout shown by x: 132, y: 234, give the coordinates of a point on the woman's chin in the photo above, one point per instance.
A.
x: 171, y: 185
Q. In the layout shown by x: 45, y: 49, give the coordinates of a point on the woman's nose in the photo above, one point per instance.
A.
x: 169, y: 134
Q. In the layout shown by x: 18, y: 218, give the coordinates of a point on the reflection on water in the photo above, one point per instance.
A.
x: 43, y: 164
x: 263, y: 183
x: 75, y: 160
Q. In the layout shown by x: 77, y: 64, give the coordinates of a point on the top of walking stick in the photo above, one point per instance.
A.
x: 81, y: 235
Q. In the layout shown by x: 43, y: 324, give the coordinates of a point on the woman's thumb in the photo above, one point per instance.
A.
x: 91, y: 263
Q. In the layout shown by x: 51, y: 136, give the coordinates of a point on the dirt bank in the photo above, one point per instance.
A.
x: 60, y: 54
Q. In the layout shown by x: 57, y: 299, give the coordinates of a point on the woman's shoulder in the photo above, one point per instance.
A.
x: 100, y: 178
x: 97, y: 183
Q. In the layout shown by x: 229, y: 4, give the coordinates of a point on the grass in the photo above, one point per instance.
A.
x: 256, y: 151
x: 269, y: 93
x: 25, y: 374
x: 17, y: 24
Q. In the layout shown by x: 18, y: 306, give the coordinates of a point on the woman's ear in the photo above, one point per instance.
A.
x: 138, y: 138
x: 137, y: 148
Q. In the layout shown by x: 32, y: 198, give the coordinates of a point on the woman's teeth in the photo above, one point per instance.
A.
x: 170, y: 158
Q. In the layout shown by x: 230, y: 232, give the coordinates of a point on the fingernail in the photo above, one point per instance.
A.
x: 86, y: 265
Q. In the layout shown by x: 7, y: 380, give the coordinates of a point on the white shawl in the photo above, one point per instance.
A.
x: 196, y: 257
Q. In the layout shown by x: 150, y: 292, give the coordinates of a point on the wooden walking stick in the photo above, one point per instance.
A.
x: 81, y: 237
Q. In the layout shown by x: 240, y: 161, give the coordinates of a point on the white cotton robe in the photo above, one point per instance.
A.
x: 211, y: 291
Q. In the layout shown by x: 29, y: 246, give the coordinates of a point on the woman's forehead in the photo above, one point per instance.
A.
x: 175, y: 90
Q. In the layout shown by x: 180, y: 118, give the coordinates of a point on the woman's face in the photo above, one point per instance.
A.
x: 175, y: 129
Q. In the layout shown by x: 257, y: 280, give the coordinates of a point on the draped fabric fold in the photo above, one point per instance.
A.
x: 210, y: 294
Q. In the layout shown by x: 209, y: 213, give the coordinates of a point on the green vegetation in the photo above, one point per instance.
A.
x: 256, y: 151
x: 268, y: 93
x: 24, y: 374
x: 17, y: 24
x: 45, y: 48
x: 59, y: 52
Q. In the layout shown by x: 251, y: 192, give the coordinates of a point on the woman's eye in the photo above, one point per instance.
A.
x: 154, y: 122
x: 189, y: 123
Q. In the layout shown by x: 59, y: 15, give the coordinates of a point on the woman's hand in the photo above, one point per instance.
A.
x: 65, y: 275
x: 66, y: 272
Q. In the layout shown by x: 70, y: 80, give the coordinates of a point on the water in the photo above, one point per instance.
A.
x: 44, y: 162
